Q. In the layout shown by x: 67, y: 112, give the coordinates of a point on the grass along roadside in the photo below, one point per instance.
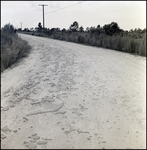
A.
x: 12, y: 47
x: 129, y: 42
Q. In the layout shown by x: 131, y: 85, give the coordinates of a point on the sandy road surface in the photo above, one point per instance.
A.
x: 66, y: 95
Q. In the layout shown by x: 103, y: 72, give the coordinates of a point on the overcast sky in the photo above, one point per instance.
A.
x: 128, y: 14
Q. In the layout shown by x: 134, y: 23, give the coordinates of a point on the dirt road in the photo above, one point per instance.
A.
x: 65, y: 95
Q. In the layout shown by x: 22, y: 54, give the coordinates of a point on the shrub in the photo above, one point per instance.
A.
x: 81, y: 39
x: 12, y: 47
x: 142, y: 47
x: 110, y: 36
x: 132, y: 46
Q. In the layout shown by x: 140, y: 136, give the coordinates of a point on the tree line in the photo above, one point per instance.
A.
x: 109, y: 36
x: 108, y: 29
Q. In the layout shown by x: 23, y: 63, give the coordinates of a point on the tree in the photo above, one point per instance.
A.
x: 131, y: 30
x: 63, y: 30
x: 92, y: 29
x: 87, y: 29
x: 26, y: 29
x: 36, y: 28
x: 81, y: 29
x: 112, y: 28
x: 139, y: 30
x: 98, y: 26
x: 19, y: 29
x: 32, y: 29
x: 144, y: 30
x: 74, y: 26
x: 53, y: 30
x: 39, y: 27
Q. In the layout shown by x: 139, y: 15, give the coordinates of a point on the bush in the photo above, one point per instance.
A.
x: 12, y: 47
x: 142, y: 47
x: 110, y: 36
x: 132, y: 46
x: 81, y: 39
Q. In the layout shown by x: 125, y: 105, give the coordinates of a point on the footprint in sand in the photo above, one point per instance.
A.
x: 46, y: 105
x: 3, y: 136
x: 34, y: 140
x: 6, y: 129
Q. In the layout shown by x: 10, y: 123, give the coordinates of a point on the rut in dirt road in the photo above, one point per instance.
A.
x: 65, y: 95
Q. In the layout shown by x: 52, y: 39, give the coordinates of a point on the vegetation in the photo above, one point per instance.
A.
x: 12, y: 46
x: 74, y: 27
x: 109, y: 36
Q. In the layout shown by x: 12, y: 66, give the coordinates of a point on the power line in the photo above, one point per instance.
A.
x: 64, y: 7
x: 56, y: 11
x: 33, y: 20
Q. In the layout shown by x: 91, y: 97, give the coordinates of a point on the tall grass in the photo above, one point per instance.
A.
x: 131, y: 42
x: 117, y: 42
x: 142, y: 46
x: 12, y: 46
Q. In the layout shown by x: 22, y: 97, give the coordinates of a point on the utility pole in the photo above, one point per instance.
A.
x: 43, y: 13
x: 21, y: 25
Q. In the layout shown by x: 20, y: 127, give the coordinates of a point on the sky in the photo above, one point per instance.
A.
x: 61, y: 14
